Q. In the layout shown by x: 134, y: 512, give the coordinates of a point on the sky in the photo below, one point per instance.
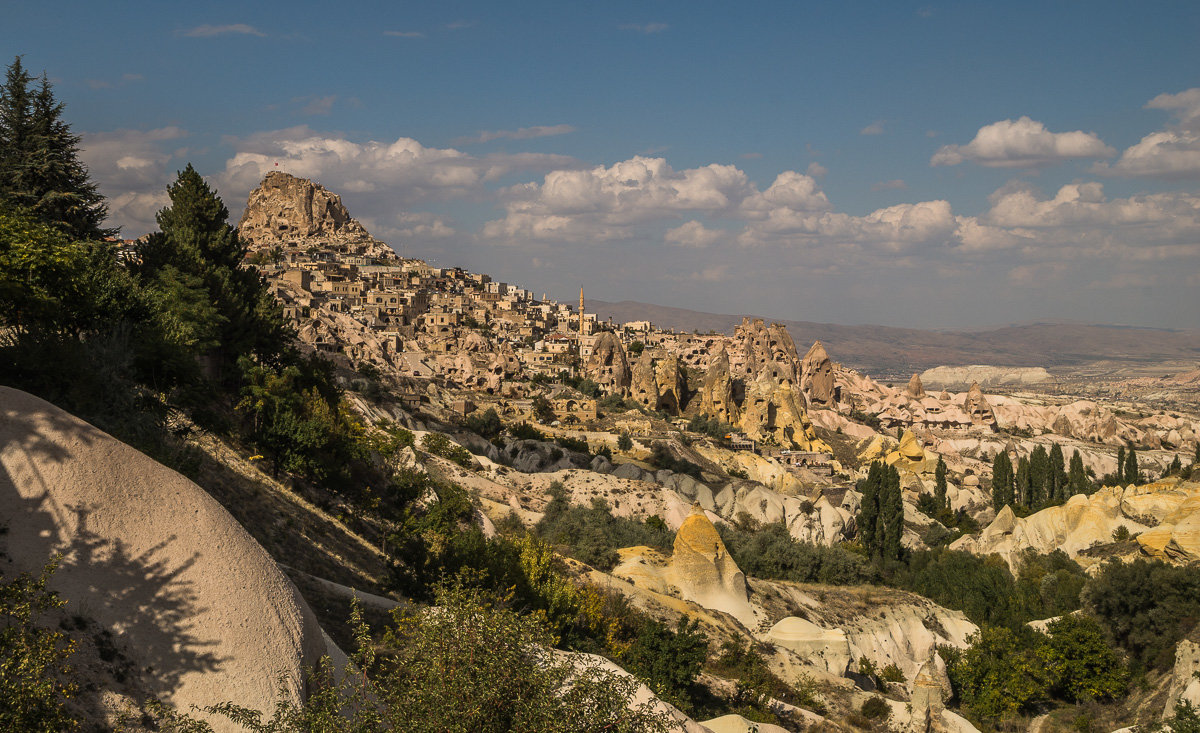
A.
x: 929, y: 165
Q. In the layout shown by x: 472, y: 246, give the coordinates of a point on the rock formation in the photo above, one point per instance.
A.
x: 816, y: 376
x: 930, y: 690
x: 285, y: 210
x: 672, y: 385
x: 608, y: 366
x: 716, y: 396
x: 757, y: 347
x: 643, y: 387
x: 774, y: 411
x: 704, y: 571
x: 151, y: 557
x: 822, y: 647
x: 915, y: 389
x: 976, y: 405
x: 1185, y: 678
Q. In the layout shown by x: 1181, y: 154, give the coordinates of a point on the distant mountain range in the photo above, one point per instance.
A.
x: 887, y: 351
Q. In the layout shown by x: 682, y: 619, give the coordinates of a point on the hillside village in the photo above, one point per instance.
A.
x: 750, y: 476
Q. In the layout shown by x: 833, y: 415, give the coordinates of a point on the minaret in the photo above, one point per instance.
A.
x: 581, y: 310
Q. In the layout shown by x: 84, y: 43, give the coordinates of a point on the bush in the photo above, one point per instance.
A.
x: 668, y: 662
x: 772, y: 553
x: 485, y: 424
x: 36, y: 679
x: 525, y: 431
x: 1146, y: 606
x: 891, y: 673
x: 441, y: 446
x: 579, y: 445
x: 662, y: 458
x: 624, y: 442
x: 592, y: 534
x: 756, y: 683
x: 876, y: 708
x: 982, y: 588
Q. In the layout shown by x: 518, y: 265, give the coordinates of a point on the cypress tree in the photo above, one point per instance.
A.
x: 891, y: 511
x: 939, y: 486
x: 40, y: 168
x: 1039, y: 477
x: 1077, y: 477
x: 1118, y: 476
x: 868, y: 511
x: 1002, y: 480
x: 1131, y: 473
x: 1058, y: 475
x: 1024, y: 488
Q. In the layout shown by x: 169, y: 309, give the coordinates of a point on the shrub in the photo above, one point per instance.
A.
x: 441, y: 446
x: 772, y: 553
x: 875, y: 708
x: 486, y: 424
x: 579, y: 445
x: 525, y: 431
x: 592, y: 534
x: 891, y: 673
x: 1146, y: 607
x: 662, y: 458
x: 624, y: 442
x: 36, y: 678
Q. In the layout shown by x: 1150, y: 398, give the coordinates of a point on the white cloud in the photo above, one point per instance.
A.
x: 398, y: 173
x: 1172, y: 153
x: 790, y: 190
x: 647, y: 28
x: 1022, y: 143
x: 522, y: 133
x: 875, y: 128
x: 132, y: 168
x: 604, y: 203
x: 234, y: 29
x: 816, y: 170
x: 693, y: 234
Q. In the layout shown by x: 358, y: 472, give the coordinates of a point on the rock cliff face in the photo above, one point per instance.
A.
x: 1185, y: 678
x: 915, y: 389
x: 658, y: 383
x: 774, y: 411
x: 976, y: 405
x: 285, y: 209
x: 716, y: 397
x: 757, y: 346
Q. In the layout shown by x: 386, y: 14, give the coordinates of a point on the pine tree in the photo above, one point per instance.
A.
x: 40, y: 168
x: 1118, y: 476
x: 216, y: 307
x: 939, y: 486
x: 1077, y: 479
x: 1024, y: 487
x: 1131, y: 473
x: 868, y: 511
x: 891, y: 511
x: 1002, y: 481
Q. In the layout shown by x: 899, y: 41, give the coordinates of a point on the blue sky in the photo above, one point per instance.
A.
x: 920, y: 164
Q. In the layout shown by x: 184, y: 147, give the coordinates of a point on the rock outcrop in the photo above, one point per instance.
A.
x: 816, y: 376
x: 828, y: 648
x: 773, y: 411
x: 284, y: 209
x: 152, y: 558
x: 1185, y: 678
x: 915, y: 389
x: 977, y: 406
x: 608, y: 366
x: 716, y: 397
x: 658, y: 384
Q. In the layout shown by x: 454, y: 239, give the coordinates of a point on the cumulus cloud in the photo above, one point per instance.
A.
x: 875, y: 128
x: 1022, y: 143
x: 132, y: 168
x: 693, y: 234
x: 401, y: 173
x: 1172, y: 153
x: 233, y: 29
x: 521, y: 133
x: 605, y: 203
x: 816, y: 170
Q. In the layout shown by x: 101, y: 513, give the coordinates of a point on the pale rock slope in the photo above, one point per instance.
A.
x: 1172, y: 508
x: 153, y: 558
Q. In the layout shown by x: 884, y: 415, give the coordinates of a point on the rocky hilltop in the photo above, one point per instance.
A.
x: 285, y: 210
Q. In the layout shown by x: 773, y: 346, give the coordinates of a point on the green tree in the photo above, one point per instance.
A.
x: 939, y: 485
x: 624, y: 442
x: 1082, y: 665
x: 40, y: 168
x: 1077, y: 478
x: 1002, y: 481
x: 215, y: 306
x: 891, y: 509
x: 1023, y: 483
x: 1000, y: 675
x: 1129, y: 471
x: 1146, y: 607
x: 667, y: 661
x: 1058, y: 476
x: 869, y: 509
x: 1039, y: 478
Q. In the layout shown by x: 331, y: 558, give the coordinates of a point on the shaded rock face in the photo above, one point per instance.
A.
x: 152, y: 557
x: 915, y: 389
x: 759, y: 347
x: 286, y: 209
x: 672, y: 385
x: 608, y: 366
x: 1185, y: 678
x: 716, y: 396
x: 643, y: 386
x: 977, y: 406
x: 828, y: 648
x: 816, y: 376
